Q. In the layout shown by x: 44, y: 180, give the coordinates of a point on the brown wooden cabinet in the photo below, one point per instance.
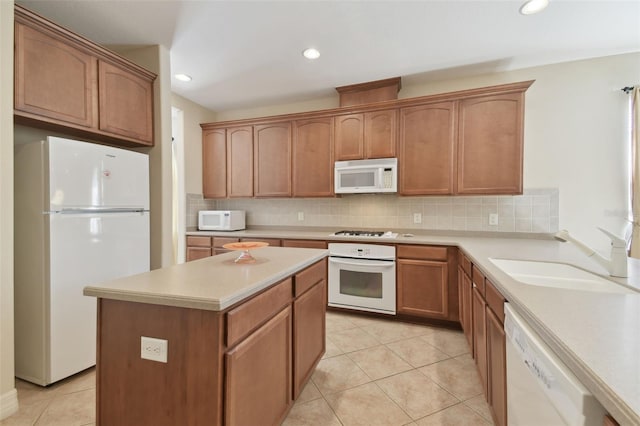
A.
x: 309, y: 323
x: 64, y: 82
x: 305, y: 244
x: 427, y: 149
x: 465, y: 297
x: 65, y: 89
x: 496, y: 365
x: 214, y: 163
x: 126, y: 103
x: 313, y: 157
x: 490, y: 145
x: 480, y: 336
x: 272, y: 160
x: 198, y: 247
x: 259, y: 369
x: 240, y: 162
x: 426, y: 286
x: 367, y: 135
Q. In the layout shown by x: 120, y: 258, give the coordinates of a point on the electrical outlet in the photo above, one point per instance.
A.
x: 301, y: 216
x: 153, y: 349
x: 493, y: 218
x: 417, y: 218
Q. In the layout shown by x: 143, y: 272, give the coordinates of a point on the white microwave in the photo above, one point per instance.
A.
x: 366, y: 176
x: 221, y: 220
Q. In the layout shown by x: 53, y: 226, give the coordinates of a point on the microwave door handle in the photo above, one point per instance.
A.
x: 369, y: 263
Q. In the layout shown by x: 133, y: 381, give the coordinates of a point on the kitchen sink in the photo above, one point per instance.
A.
x: 557, y: 275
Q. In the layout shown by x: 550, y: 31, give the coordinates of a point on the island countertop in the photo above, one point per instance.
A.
x: 214, y: 283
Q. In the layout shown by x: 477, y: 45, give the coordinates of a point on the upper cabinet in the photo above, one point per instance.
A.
x: 427, y: 149
x: 490, y: 144
x: 313, y: 157
x: 65, y: 82
x: 367, y: 135
x: 240, y: 162
x: 272, y: 160
x: 466, y: 142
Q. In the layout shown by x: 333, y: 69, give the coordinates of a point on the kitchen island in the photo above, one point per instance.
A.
x: 230, y: 343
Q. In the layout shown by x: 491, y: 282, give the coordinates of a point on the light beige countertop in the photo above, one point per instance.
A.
x: 213, y: 283
x: 597, y: 335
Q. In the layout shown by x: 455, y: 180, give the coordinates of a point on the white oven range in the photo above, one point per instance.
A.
x: 362, y: 277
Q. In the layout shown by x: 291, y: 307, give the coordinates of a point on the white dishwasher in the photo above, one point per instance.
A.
x: 540, y: 388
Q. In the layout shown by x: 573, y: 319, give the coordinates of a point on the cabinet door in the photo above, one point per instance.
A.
x: 126, y: 103
x: 65, y: 89
x: 240, y: 162
x: 195, y: 253
x: 214, y: 163
x: 380, y: 129
x: 272, y: 160
x: 480, y: 336
x: 313, y: 158
x: 427, y: 149
x: 305, y: 244
x: 258, y: 375
x: 490, y: 145
x: 497, y: 366
x: 308, y: 334
x: 422, y: 288
x: 467, y: 307
x: 349, y: 131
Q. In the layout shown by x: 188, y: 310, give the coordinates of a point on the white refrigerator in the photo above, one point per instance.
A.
x: 81, y: 217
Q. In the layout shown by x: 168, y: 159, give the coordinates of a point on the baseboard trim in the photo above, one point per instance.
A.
x: 8, y: 403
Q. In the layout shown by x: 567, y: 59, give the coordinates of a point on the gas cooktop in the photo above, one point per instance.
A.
x: 372, y: 234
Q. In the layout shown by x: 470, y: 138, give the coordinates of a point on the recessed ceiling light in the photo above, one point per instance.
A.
x: 311, y: 53
x: 182, y: 77
x: 533, y: 6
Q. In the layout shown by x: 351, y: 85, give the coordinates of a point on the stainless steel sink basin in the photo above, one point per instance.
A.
x: 557, y: 275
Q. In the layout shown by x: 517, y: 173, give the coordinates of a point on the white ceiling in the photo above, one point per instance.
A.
x: 246, y: 53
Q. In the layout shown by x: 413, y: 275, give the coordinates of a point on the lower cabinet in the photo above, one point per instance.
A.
x: 258, y: 375
x: 198, y: 247
x: 480, y: 336
x: 497, y: 362
x: 426, y: 285
x: 319, y: 244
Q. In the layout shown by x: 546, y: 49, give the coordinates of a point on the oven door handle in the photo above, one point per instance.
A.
x: 382, y: 264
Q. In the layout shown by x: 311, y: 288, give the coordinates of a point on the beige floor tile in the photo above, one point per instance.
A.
x: 367, y: 405
x: 79, y: 382
x: 456, y: 375
x: 388, y: 331
x: 353, y: 340
x: 480, y: 406
x: 338, y: 322
x: 417, y: 352
x: 457, y: 415
x: 379, y: 362
x: 27, y: 414
x: 451, y: 342
x: 330, y: 348
x: 312, y: 413
x: 364, y: 320
x: 309, y: 393
x: 416, y: 394
x: 73, y: 409
x: 337, y: 374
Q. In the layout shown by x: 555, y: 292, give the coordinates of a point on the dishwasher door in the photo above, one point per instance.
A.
x: 540, y: 388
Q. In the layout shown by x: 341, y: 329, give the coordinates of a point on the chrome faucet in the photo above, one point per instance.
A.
x: 616, y: 265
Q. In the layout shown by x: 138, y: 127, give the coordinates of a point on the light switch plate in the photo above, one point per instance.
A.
x: 153, y: 349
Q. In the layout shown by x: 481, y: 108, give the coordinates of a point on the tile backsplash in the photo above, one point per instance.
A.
x: 537, y: 211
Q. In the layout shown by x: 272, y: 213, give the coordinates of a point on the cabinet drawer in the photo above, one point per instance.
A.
x: 494, y: 300
x: 305, y: 244
x: 478, y: 279
x: 422, y: 252
x: 465, y: 263
x: 246, y: 317
x: 220, y: 241
x: 273, y: 242
x: 195, y: 241
x: 307, y: 278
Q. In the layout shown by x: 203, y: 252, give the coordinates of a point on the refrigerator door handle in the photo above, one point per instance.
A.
x: 97, y: 210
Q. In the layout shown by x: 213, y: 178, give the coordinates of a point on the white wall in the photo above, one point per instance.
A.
x: 193, y: 115
x: 8, y: 395
x: 575, y: 134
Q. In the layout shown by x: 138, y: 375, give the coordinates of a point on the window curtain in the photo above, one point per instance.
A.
x: 634, y: 250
